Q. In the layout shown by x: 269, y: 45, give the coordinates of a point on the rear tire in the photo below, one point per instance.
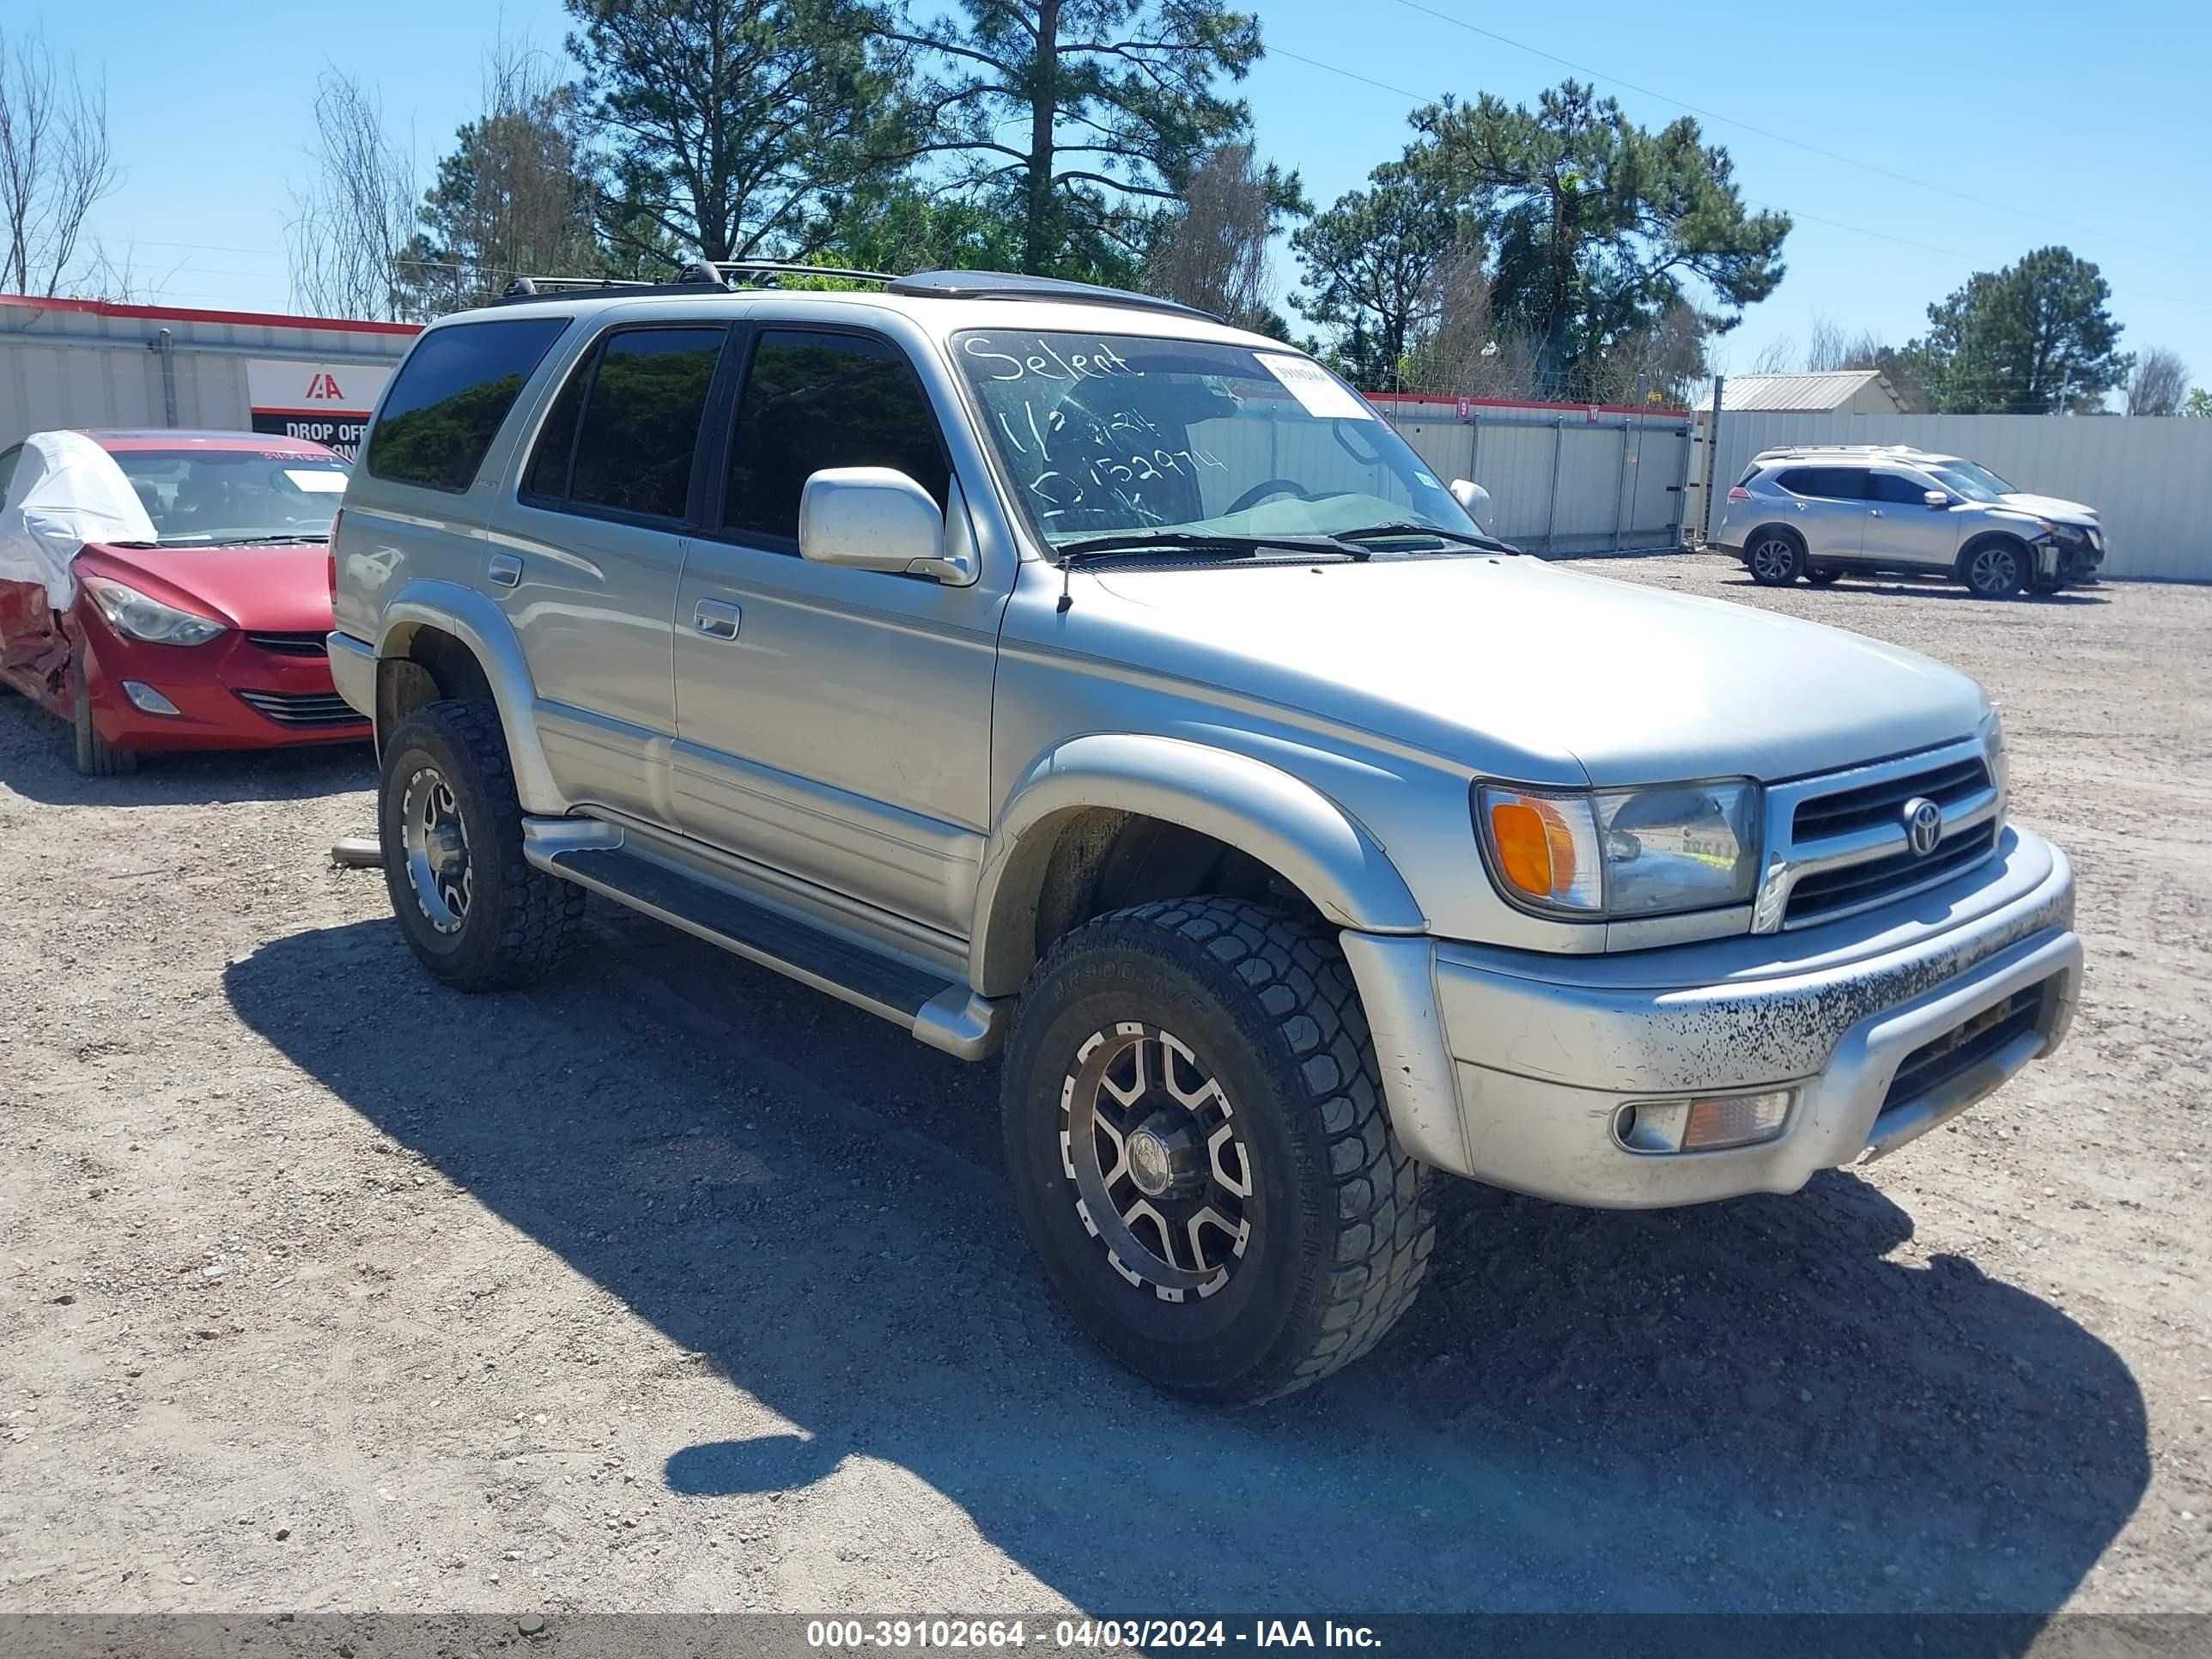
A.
x: 479, y: 915
x: 1995, y: 569
x: 1163, y: 1055
x: 1774, y: 558
x: 95, y: 756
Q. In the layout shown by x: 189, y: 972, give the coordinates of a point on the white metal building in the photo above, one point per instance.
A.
x: 92, y: 363
x: 1836, y: 391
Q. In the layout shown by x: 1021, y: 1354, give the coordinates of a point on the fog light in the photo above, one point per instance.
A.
x: 147, y: 699
x: 1703, y: 1125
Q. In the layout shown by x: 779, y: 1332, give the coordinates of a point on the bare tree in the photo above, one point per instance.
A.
x: 1779, y: 356
x: 55, y: 165
x: 2159, y: 383
x: 353, y: 221
x: 1213, y: 254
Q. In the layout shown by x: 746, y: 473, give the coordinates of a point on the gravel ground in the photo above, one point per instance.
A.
x: 675, y: 1286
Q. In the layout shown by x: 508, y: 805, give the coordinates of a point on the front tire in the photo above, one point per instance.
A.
x: 95, y: 756
x: 1200, y: 1151
x: 1827, y: 578
x: 479, y: 915
x: 1995, y: 569
x: 1776, y: 558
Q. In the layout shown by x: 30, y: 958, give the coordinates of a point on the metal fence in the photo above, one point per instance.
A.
x: 1562, y: 480
x: 2150, y: 480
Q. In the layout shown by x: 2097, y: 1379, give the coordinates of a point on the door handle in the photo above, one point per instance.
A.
x: 505, y: 569
x: 1873, y: 512
x: 717, y: 618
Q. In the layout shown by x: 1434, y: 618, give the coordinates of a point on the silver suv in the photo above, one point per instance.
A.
x: 1823, y: 511
x: 1050, y: 669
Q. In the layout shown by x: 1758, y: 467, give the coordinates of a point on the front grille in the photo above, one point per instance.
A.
x: 292, y: 644
x: 1884, y: 803
x: 1831, y: 892
x: 1959, y: 1050
x: 302, y: 707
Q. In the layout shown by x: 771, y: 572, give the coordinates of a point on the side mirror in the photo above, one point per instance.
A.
x: 876, y: 517
x: 1474, y: 498
x: 1936, y: 498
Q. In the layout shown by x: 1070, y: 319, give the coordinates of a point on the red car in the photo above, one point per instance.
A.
x: 171, y: 590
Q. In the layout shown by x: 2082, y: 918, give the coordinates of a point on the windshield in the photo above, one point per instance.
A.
x: 1113, y: 433
x: 1987, y: 482
x: 1967, y: 481
x: 204, y: 497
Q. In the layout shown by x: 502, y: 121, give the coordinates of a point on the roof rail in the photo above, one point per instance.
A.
x: 1014, y: 285
x: 763, y: 272
x: 726, y: 276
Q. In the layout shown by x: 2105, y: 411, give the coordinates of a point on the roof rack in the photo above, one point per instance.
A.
x: 726, y: 276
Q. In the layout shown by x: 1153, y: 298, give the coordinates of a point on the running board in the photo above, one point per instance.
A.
x: 943, y: 1014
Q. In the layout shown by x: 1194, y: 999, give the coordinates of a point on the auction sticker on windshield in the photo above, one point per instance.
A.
x: 1318, y: 392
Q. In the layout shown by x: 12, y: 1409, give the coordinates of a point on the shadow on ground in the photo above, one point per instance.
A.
x: 1747, y: 1406
x: 1943, y: 588
x: 35, y: 762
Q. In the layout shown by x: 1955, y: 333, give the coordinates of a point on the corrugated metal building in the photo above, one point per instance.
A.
x: 1833, y: 391
x: 92, y: 363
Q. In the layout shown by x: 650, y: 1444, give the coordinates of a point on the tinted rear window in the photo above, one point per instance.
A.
x: 1834, y: 483
x: 450, y: 395
x: 641, y: 421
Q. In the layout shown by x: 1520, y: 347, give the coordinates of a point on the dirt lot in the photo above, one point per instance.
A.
x: 676, y: 1286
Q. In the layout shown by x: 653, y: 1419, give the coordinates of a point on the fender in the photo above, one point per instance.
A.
x: 479, y: 623
x: 1281, y: 820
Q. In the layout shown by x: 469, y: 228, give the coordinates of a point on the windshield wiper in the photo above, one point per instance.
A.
x: 1406, y: 527
x: 1070, y: 554
x: 290, y: 536
x: 1189, y: 541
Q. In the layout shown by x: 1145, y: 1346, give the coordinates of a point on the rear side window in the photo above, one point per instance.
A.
x: 1832, y: 483
x: 623, y: 432
x: 813, y: 401
x: 455, y: 388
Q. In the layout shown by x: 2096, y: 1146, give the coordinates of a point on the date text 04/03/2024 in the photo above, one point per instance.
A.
x: 1108, y: 1634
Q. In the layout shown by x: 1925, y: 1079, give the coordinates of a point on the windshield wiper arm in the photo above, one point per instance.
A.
x: 288, y: 536
x: 1407, y: 527
x: 1188, y: 541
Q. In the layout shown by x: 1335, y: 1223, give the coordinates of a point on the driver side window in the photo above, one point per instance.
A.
x: 814, y: 400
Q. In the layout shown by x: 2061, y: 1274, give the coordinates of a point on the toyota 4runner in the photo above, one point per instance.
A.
x: 1057, y: 669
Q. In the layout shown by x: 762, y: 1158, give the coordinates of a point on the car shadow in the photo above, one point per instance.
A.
x: 1751, y: 1406
x: 35, y: 762
x: 1937, y: 588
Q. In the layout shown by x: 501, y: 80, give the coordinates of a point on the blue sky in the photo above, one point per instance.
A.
x: 2036, y: 123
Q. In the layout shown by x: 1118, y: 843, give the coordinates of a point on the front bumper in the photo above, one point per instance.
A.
x: 231, y: 693
x: 1512, y: 1066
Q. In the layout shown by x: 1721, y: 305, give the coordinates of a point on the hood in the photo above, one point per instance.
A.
x: 1525, y: 670
x: 280, y: 589
x: 2051, y: 507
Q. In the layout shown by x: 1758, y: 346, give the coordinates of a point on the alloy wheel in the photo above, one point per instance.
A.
x: 436, y: 839
x: 1161, y: 1176
x: 1773, y: 560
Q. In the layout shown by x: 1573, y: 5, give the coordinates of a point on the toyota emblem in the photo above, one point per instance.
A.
x: 1923, y: 825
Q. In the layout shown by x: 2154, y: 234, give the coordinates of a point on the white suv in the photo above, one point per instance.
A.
x: 1821, y: 511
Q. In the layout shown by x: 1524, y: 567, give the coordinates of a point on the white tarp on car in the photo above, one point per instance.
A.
x: 67, y: 491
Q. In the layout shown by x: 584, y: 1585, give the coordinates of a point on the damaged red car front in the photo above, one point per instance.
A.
x: 164, y: 591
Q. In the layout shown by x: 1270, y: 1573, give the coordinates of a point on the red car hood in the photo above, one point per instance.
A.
x: 283, y: 588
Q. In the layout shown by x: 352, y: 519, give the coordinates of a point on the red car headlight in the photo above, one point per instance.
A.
x: 137, y: 617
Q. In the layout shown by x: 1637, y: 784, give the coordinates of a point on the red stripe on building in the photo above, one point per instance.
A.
x: 186, y: 314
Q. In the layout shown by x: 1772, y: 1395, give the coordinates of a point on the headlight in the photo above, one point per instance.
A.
x: 1623, y: 853
x: 135, y: 616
